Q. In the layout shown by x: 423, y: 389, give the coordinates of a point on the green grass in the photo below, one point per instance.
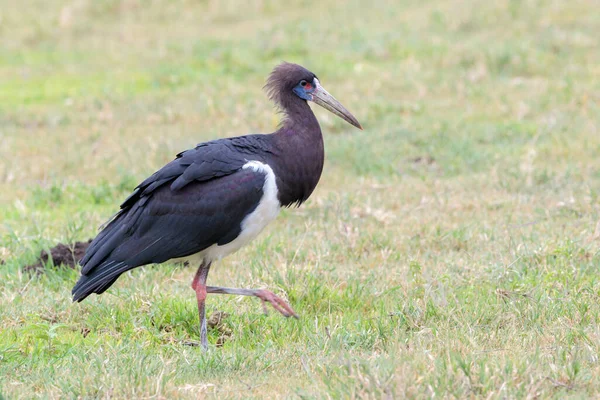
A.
x: 450, y: 250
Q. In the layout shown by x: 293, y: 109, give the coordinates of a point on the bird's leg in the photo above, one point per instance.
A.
x: 199, y: 286
x: 264, y: 295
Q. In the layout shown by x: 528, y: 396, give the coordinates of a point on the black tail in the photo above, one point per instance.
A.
x: 110, y: 254
x: 100, y: 269
x: 115, y: 250
x: 99, y: 279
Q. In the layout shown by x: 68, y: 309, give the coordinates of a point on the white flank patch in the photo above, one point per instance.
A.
x: 257, y: 220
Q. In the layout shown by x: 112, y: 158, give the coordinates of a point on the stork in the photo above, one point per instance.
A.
x: 215, y: 198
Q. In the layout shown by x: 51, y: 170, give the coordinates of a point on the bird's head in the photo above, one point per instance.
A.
x: 288, y: 82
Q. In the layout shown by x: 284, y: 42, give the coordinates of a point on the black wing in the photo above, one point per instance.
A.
x: 197, y: 200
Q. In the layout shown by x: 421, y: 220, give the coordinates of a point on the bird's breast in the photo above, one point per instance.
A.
x: 265, y: 212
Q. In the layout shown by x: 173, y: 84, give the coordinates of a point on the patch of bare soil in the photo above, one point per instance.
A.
x: 61, y: 254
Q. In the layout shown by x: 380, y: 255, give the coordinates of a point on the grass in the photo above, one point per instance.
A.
x: 450, y: 250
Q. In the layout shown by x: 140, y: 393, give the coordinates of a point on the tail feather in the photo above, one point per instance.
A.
x: 100, y: 266
x: 100, y: 269
x: 107, y: 230
x: 99, y: 279
x: 97, y: 255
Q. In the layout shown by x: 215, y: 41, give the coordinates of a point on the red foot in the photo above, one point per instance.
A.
x: 276, y: 302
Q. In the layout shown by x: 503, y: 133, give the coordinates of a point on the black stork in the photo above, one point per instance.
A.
x: 215, y: 198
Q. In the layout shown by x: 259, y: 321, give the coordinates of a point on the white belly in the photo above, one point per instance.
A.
x: 254, y: 223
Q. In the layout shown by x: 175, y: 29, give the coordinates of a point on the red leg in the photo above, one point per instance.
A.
x: 199, y: 286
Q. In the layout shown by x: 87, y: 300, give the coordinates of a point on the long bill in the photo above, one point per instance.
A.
x: 330, y: 103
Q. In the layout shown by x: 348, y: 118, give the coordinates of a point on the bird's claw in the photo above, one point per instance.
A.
x: 277, y: 303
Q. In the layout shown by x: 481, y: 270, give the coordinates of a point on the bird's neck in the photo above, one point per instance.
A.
x: 300, y: 119
x: 302, y: 154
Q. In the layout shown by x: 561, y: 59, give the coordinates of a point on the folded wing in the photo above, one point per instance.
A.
x: 197, y: 200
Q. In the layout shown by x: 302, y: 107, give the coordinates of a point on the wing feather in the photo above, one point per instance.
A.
x: 205, y: 203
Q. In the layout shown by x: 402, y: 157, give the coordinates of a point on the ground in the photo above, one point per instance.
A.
x: 450, y: 250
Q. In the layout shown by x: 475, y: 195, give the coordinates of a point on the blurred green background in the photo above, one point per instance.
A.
x: 451, y: 248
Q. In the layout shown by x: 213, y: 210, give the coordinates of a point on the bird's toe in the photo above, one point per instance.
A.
x: 277, y: 302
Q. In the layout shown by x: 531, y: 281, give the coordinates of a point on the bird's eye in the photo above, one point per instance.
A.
x: 303, y: 82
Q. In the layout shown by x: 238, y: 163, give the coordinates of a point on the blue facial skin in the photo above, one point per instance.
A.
x: 303, y: 93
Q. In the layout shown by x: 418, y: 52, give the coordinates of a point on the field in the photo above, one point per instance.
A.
x: 451, y: 249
